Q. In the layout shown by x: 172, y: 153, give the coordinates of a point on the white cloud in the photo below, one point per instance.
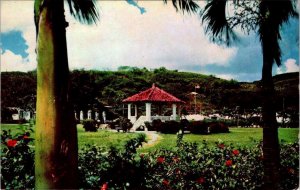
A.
x: 24, y: 22
x: 290, y: 65
x: 160, y: 37
x: 13, y: 62
x: 279, y: 70
x: 16, y: 15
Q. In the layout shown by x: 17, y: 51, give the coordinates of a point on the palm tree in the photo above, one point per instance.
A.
x: 264, y: 17
x: 56, y: 135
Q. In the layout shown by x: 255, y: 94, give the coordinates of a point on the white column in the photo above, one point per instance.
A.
x: 148, y: 112
x: 129, y: 111
x: 135, y: 110
x: 174, y: 111
x: 96, y: 116
x: 75, y: 115
x: 81, y: 115
x: 89, y: 116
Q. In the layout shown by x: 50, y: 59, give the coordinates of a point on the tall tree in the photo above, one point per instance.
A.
x: 56, y: 135
x: 265, y: 17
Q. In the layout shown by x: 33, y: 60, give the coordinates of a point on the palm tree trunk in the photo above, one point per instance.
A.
x: 270, y: 128
x: 56, y: 151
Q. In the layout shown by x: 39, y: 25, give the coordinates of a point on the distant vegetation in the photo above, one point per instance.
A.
x: 91, y: 88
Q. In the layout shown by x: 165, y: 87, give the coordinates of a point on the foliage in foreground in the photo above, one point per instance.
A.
x: 188, y: 166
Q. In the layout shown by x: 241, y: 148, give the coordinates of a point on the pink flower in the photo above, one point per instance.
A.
x: 228, y: 163
x: 160, y: 159
x: 12, y: 143
x: 235, y: 152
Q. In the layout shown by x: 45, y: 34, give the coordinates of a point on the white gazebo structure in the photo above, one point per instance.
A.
x: 152, y: 96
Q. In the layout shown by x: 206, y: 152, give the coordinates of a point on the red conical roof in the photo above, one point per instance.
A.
x: 153, y: 94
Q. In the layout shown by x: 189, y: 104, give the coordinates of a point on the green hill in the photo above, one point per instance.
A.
x: 88, y: 88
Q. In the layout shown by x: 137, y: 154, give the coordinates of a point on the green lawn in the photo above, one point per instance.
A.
x: 237, y: 136
x: 103, y: 138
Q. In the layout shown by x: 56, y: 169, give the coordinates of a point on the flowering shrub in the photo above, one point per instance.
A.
x: 189, y: 166
x: 115, y: 169
x: 17, y: 161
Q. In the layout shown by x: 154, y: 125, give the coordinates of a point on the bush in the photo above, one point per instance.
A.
x: 220, y: 167
x: 217, y: 127
x: 198, y: 127
x: 189, y: 166
x: 89, y: 125
x: 156, y: 125
x: 170, y: 127
x: 17, y: 161
x: 124, y: 124
x: 118, y: 168
x: 208, y: 126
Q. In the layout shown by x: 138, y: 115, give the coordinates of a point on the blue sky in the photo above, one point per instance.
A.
x: 143, y: 34
x: 14, y: 42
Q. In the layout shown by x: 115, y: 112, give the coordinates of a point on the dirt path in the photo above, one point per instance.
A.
x: 153, y: 138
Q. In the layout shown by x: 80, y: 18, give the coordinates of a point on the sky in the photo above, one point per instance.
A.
x: 141, y: 34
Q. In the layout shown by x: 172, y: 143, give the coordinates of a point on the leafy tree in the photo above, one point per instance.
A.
x: 56, y: 136
x: 265, y: 17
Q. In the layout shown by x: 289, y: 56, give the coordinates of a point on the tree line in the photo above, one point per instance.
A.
x: 91, y: 87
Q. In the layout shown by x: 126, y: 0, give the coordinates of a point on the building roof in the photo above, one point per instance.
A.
x: 153, y: 94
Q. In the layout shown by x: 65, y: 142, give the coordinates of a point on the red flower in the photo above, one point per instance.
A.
x: 177, y: 171
x: 291, y: 171
x: 228, y: 163
x: 142, y: 155
x: 200, y: 180
x: 221, y: 145
x: 235, y: 152
x: 165, y: 182
x: 160, y: 159
x: 104, y: 186
x: 176, y: 159
x: 25, y: 137
x: 12, y: 143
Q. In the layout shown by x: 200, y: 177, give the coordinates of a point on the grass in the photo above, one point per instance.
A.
x: 237, y: 136
x: 103, y: 138
x: 14, y: 128
x: 100, y: 138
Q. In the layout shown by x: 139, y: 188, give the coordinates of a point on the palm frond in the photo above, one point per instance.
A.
x: 217, y: 27
x: 273, y: 15
x: 189, y: 6
x: 84, y: 10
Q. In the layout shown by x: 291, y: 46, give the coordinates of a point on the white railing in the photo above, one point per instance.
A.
x: 138, y: 123
x: 162, y: 118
